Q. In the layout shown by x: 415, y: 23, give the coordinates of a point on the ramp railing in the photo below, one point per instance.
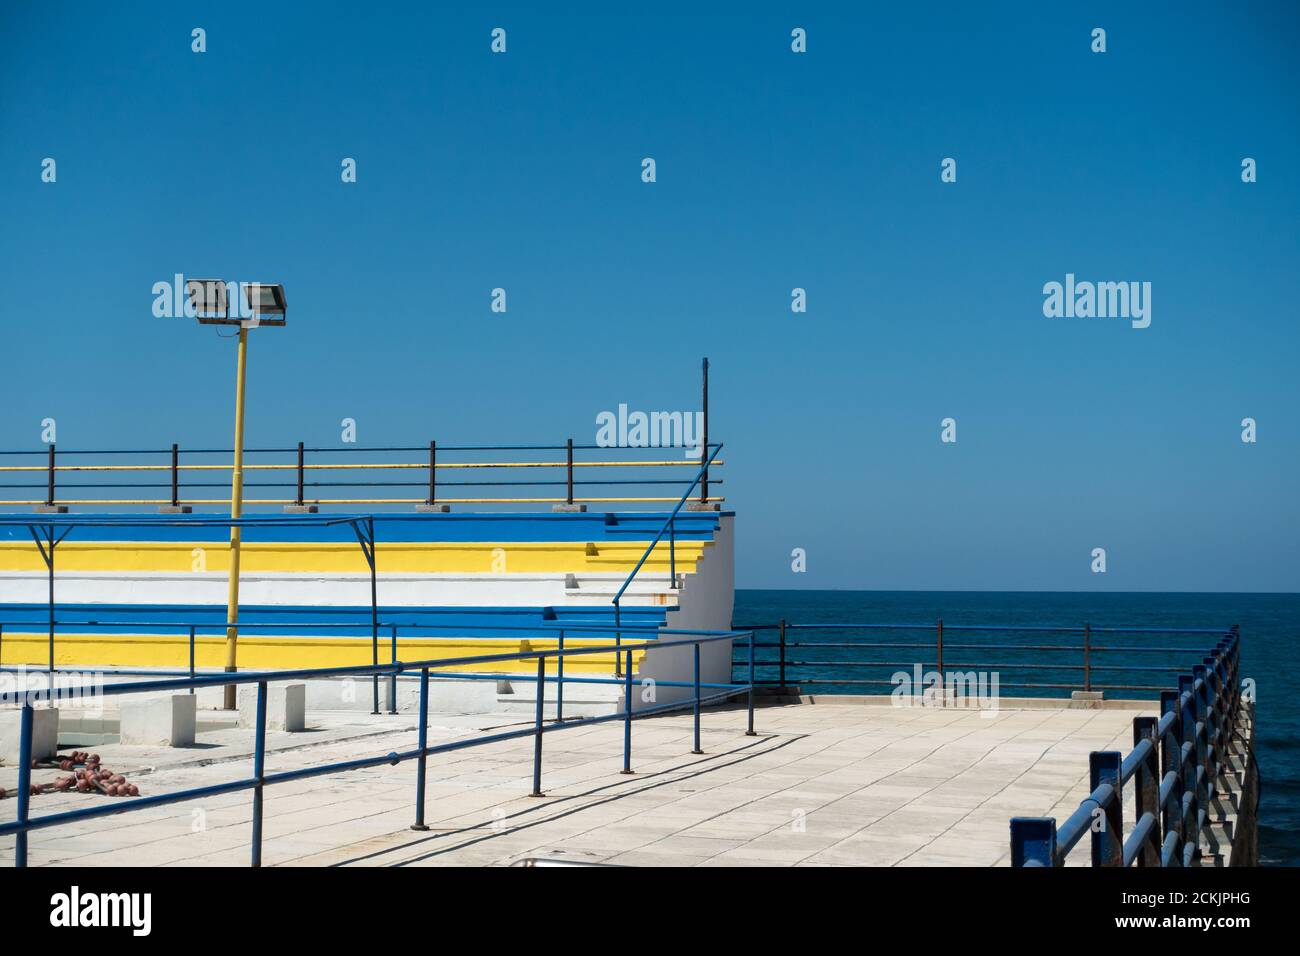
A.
x: 1181, y: 763
x: 701, y: 693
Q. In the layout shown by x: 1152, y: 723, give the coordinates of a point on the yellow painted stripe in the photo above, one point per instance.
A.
x: 345, y: 558
x: 286, y: 653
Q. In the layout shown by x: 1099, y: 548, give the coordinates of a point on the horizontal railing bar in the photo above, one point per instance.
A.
x: 350, y: 451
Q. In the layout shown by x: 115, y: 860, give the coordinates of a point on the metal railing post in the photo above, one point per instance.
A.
x: 1108, y: 840
x: 672, y: 553
x: 938, y: 650
x: 627, y: 716
x: 569, y: 473
x: 537, y: 726
x: 1187, y: 768
x: 1170, y: 760
x: 423, y: 760
x: 49, y: 491
x: 618, y: 639
x: 1205, y: 787
x: 559, y: 681
x: 298, y: 501
x: 782, y: 642
x: 704, y: 439
x: 24, y: 780
x: 1087, y: 657
x: 1033, y: 841
x: 176, y: 478
x: 433, y: 467
x: 697, y: 749
x: 749, y: 732
x: 259, y: 774
x: 392, y: 681
x: 191, y: 656
x: 1146, y: 793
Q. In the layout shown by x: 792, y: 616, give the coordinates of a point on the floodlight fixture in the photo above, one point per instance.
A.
x: 209, y: 300
x: 266, y: 302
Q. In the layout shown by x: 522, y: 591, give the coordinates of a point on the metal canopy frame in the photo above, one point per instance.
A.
x: 49, y: 525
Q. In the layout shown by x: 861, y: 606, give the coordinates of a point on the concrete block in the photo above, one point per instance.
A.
x: 300, y: 509
x: 286, y: 706
x: 174, y: 509
x: 569, y: 509
x: 158, y: 721
x: 433, y: 509
x: 45, y: 733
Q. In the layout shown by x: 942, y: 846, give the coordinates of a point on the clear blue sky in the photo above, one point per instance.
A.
x: 775, y: 170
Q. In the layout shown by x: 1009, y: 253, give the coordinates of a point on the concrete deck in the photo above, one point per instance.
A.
x: 822, y: 784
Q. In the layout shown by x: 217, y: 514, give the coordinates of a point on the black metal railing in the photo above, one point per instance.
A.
x: 1038, y: 658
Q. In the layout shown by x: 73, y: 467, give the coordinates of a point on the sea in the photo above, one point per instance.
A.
x: 1269, y: 625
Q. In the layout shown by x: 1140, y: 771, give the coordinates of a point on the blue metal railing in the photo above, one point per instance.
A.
x: 668, y: 528
x: 429, y: 669
x: 191, y: 630
x: 1179, y: 763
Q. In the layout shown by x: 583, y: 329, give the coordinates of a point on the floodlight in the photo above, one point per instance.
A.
x: 266, y: 301
x: 208, y: 298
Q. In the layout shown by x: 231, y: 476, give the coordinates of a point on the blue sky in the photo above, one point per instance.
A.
x: 775, y: 170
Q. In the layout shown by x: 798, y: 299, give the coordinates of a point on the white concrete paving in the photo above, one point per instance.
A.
x: 822, y: 785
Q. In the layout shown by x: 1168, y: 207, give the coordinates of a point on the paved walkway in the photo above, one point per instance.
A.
x: 822, y: 784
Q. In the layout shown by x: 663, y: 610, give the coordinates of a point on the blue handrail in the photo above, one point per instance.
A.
x: 25, y: 823
x: 672, y: 545
x: 1179, y: 761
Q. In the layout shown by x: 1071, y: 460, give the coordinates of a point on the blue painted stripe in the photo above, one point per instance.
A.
x: 357, y: 618
x: 453, y: 528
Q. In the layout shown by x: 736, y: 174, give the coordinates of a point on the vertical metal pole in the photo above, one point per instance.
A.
x: 559, y: 682
x: 672, y: 553
x: 236, y: 511
x: 704, y: 451
x: 1206, y: 787
x: 1190, y: 805
x: 749, y: 732
x: 50, y: 566
x: 627, y: 716
x: 1033, y: 839
x: 537, y: 726
x: 259, y: 773
x: 569, y: 498
x: 1170, y: 757
x: 1108, y: 842
x: 697, y: 749
x: 49, y: 490
x: 374, y: 612
x: 783, y: 655
x: 1087, y: 657
x: 618, y: 639
x: 392, y: 681
x: 24, y: 780
x: 191, y: 656
x: 176, y: 477
x: 2, y: 643
x: 300, y: 476
x: 1146, y: 793
x: 424, y: 747
x: 939, y: 655
x: 433, y: 466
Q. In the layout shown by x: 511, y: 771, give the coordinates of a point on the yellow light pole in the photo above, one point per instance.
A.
x: 209, y: 299
x: 236, y: 510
